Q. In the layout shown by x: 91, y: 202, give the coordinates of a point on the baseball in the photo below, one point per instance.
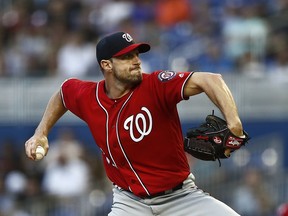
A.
x: 40, y: 152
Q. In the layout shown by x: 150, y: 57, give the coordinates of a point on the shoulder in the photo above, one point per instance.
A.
x: 78, y: 83
x: 166, y: 75
x: 201, y: 78
x: 79, y: 87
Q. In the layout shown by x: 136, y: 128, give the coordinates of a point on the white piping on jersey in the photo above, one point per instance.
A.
x: 117, y: 134
x: 62, y: 97
x: 182, y: 89
x: 61, y: 92
x: 118, y: 138
x: 107, y: 128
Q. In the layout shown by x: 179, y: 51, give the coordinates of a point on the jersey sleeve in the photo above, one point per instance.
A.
x: 73, y: 91
x: 170, y: 85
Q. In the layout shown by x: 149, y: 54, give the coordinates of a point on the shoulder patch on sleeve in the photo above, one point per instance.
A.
x: 166, y: 75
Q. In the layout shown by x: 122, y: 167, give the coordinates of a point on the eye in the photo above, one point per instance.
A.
x: 128, y: 56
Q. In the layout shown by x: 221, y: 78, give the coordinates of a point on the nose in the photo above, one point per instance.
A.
x: 136, y: 59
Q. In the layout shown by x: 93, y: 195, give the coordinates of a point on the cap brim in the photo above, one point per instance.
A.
x: 142, y: 48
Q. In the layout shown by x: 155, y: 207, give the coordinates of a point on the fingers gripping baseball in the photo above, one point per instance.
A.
x: 31, y: 149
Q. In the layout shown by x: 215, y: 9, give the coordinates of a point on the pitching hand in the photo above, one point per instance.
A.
x: 33, y: 142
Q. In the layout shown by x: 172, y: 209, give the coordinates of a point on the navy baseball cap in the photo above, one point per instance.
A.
x: 118, y: 44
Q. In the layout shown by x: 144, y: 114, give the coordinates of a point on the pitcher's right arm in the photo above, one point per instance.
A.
x: 53, y: 112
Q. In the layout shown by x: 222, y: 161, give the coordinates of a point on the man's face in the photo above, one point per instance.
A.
x: 127, y: 68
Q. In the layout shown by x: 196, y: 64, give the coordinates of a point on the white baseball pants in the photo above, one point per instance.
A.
x: 188, y: 201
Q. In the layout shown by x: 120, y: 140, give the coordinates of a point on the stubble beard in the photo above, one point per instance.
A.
x: 131, y: 78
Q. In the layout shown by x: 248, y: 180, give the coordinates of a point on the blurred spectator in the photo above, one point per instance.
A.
x: 66, y: 181
x: 6, y: 202
x: 278, y: 19
x: 213, y: 59
x: 278, y: 69
x: 9, y: 157
x: 12, y: 178
x: 76, y: 56
x: 170, y: 12
x: 9, y: 196
x: 206, y: 21
x: 14, y: 60
x: 66, y: 173
x: 244, y: 31
x: 58, y: 12
x: 278, y: 58
x: 143, y: 11
x: 112, y: 13
x: 15, y: 182
x: 29, y: 53
x: 252, y: 197
x: 250, y: 65
x: 31, y: 201
x: 67, y: 176
x: 36, y: 36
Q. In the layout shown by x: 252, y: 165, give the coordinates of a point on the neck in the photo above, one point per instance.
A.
x: 115, y: 91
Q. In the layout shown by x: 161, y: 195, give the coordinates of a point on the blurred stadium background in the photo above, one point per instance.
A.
x: 43, y: 42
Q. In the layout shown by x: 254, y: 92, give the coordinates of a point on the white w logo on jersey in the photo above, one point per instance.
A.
x: 145, y: 118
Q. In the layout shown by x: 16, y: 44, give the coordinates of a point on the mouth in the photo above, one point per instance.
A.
x: 136, y: 69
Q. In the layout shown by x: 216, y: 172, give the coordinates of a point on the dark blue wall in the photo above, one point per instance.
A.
x: 20, y: 133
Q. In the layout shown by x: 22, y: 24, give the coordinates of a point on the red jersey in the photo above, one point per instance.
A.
x: 140, y: 134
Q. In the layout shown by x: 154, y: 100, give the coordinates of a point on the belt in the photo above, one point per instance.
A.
x: 179, y: 186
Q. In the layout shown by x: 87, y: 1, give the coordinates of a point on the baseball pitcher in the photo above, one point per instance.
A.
x: 134, y: 121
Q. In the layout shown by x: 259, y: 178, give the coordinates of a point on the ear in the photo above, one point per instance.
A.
x: 106, y: 64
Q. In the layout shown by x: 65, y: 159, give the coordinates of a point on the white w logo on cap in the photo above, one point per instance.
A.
x: 127, y: 37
